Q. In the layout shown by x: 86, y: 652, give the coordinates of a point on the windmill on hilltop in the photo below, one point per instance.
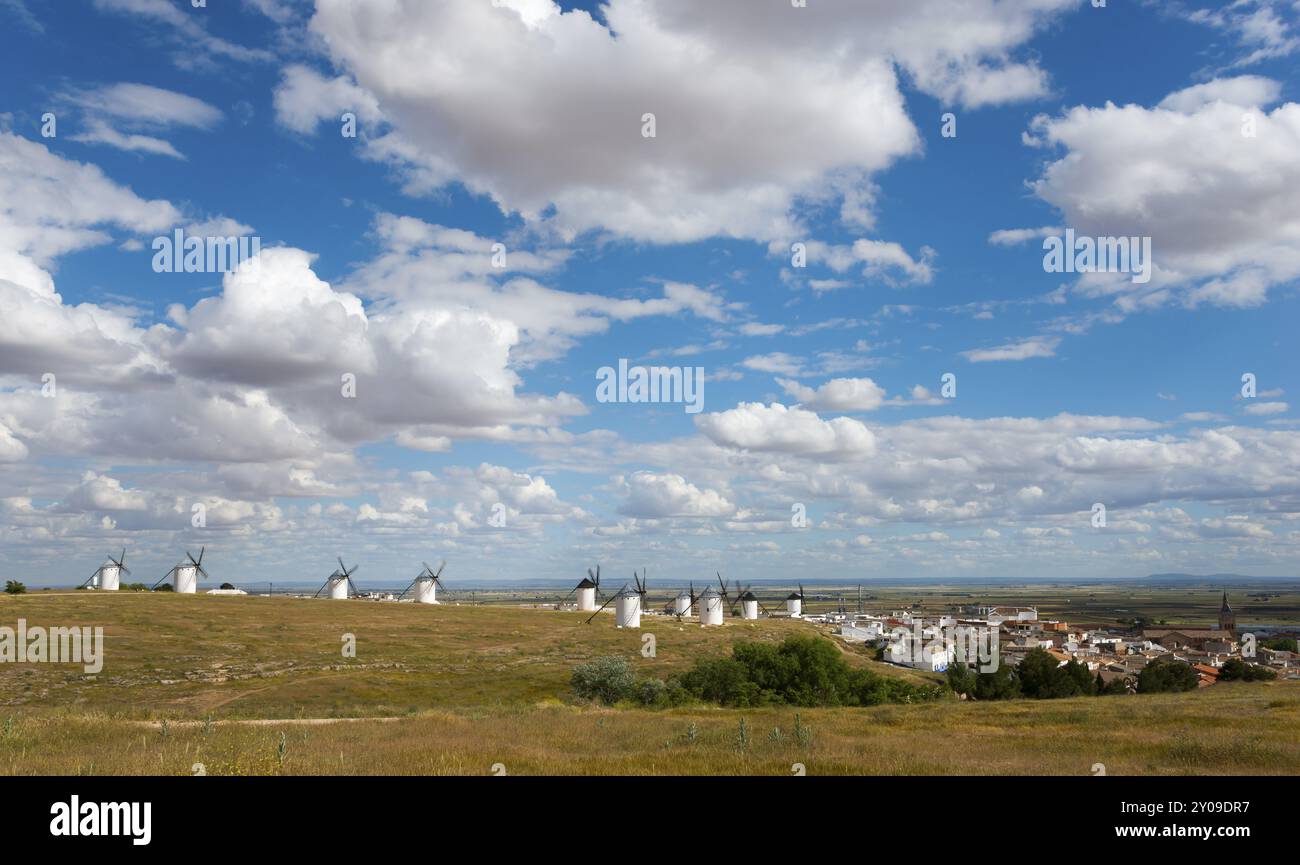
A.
x: 108, y: 576
x: 627, y: 603
x: 748, y: 602
x: 794, y: 603
x: 682, y: 605
x: 711, y: 603
x: 186, y: 574
x: 426, y: 585
x: 339, y: 586
x: 587, y: 591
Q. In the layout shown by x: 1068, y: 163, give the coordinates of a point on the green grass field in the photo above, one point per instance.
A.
x: 260, y: 686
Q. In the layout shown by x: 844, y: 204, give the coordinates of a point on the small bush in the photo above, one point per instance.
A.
x: 607, y: 680
x: 13, y: 587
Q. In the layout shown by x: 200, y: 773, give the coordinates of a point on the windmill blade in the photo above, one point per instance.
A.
x: 352, y: 585
x: 166, y: 577
x: 202, y: 572
x: 606, y: 604
x: 437, y: 581
x: 440, y: 567
x: 343, y: 569
x: 91, y: 578
x: 408, y: 588
x: 327, y: 582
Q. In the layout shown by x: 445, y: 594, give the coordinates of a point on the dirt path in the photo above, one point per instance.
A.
x: 268, y: 722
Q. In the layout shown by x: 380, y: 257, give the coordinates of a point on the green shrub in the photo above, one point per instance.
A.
x: 803, y: 670
x: 1165, y: 675
x: 1237, y: 670
x: 13, y: 587
x: 607, y: 680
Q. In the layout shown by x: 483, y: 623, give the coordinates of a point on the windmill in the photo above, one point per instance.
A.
x: 794, y: 603
x: 186, y: 574
x: 748, y: 602
x: 339, y: 583
x: 682, y: 605
x: 426, y: 585
x: 108, y: 576
x: 627, y: 612
x: 711, y: 603
x: 608, y: 601
x: 587, y: 591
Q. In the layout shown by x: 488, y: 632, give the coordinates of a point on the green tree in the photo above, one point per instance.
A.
x: 13, y: 587
x: 1237, y: 670
x: 962, y: 679
x: 1000, y: 684
x: 721, y: 680
x: 1043, y: 677
x: 1165, y: 675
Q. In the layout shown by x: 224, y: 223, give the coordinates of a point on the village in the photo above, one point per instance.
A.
x: 985, y: 637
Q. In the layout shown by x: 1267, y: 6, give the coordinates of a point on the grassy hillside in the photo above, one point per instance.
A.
x: 257, y: 685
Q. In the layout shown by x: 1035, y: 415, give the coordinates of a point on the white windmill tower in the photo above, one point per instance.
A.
x: 748, y: 603
x: 627, y: 612
x: 186, y: 574
x: 426, y: 585
x: 684, y: 602
x: 587, y: 591
x: 339, y: 584
x: 711, y: 606
x: 627, y: 604
x: 794, y: 603
x: 108, y: 576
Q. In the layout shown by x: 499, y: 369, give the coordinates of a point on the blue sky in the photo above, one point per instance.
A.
x: 521, y: 125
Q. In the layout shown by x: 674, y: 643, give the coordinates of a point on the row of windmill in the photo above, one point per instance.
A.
x: 708, y: 606
x: 185, y: 576
x: 338, y: 586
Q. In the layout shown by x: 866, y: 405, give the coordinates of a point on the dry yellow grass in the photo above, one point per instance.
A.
x: 473, y: 687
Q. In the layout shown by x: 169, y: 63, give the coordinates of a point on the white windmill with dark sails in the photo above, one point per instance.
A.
x: 186, y: 574
x: 748, y: 602
x: 108, y: 576
x: 794, y: 603
x: 426, y: 585
x: 339, y: 586
x: 587, y: 591
x: 682, y: 605
x: 627, y: 604
x: 713, y: 602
